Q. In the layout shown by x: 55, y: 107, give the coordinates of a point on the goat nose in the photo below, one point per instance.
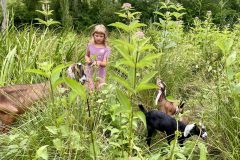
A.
x: 204, y: 136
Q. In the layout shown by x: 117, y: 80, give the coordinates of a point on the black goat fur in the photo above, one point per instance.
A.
x: 157, y: 120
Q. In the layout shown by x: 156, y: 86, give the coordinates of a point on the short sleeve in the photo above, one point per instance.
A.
x: 107, y: 53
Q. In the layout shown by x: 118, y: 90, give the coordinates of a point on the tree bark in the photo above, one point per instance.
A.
x: 4, y: 12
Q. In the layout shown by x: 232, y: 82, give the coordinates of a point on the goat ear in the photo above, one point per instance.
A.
x: 181, y: 105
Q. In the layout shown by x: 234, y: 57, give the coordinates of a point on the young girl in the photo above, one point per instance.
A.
x: 97, y: 56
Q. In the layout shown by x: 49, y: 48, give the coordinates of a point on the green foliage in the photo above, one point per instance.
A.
x: 46, y: 12
x: 7, y: 66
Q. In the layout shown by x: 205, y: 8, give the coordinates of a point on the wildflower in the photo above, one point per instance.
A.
x: 139, y: 34
x: 126, y: 6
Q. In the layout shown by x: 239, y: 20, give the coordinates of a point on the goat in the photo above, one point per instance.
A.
x: 157, y: 120
x: 16, y: 99
x: 170, y: 108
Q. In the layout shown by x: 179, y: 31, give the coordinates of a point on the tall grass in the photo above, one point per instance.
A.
x: 201, y: 66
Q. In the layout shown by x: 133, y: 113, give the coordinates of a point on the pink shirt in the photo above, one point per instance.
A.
x: 98, y: 54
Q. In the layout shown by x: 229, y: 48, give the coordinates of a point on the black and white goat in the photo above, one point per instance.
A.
x: 157, y: 120
x: 168, y: 107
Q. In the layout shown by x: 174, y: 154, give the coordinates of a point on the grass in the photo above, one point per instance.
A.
x: 62, y: 130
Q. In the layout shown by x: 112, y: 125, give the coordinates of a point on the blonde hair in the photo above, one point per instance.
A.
x: 100, y: 28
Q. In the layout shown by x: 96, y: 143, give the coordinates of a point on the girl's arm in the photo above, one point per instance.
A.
x: 102, y: 63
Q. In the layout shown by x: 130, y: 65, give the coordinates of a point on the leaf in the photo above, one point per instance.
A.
x: 123, y: 99
x: 148, y: 77
x: 55, y: 74
x: 124, y: 53
x: 145, y: 87
x: 140, y: 115
x: 76, y: 87
x: 58, y: 144
x: 135, y: 24
x: 7, y: 66
x: 170, y: 45
x: 203, y: 151
x: 120, y: 25
x: 231, y: 59
x: 145, y: 61
x: 225, y: 44
x: 42, y: 152
x: 123, y: 82
x: 52, y: 129
x: 39, y: 72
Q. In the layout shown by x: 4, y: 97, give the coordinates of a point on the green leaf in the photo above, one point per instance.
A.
x: 123, y: 82
x: 203, y: 151
x: 140, y: 115
x: 42, y: 152
x: 225, y: 44
x: 39, y: 72
x: 55, y: 74
x: 135, y: 24
x: 141, y: 87
x: 231, y: 59
x: 123, y: 99
x: 7, y: 66
x: 147, y: 60
x: 120, y: 25
x: 76, y: 87
x: 52, y: 129
x: 148, y: 77
x: 58, y: 144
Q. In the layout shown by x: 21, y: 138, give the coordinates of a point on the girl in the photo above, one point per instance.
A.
x: 97, y: 55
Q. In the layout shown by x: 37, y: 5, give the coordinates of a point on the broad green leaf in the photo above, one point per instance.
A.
x: 123, y: 99
x: 65, y: 130
x: 7, y: 66
x: 96, y: 149
x: 147, y: 60
x: 58, y: 144
x: 121, y: 69
x: 135, y: 24
x: 131, y: 75
x: 170, y: 45
x: 225, y: 44
x: 231, y: 59
x: 42, y: 153
x: 148, y: 77
x: 140, y: 115
x: 39, y: 72
x: 203, y: 151
x: 120, y: 25
x: 76, y: 87
x: 55, y: 74
x: 124, y: 53
x: 125, y: 62
x: 72, y: 96
x: 159, y: 13
x: 123, y: 82
x: 141, y: 87
x: 52, y: 129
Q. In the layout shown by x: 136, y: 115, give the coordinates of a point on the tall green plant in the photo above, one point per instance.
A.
x: 136, y: 57
x: 46, y: 12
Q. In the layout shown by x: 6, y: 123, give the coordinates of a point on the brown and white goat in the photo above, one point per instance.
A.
x: 16, y: 99
x: 166, y: 106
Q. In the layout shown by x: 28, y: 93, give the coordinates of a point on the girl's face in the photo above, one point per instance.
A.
x: 99, y: 38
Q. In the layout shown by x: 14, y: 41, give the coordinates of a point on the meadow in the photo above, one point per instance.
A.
x: 200, y: 66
